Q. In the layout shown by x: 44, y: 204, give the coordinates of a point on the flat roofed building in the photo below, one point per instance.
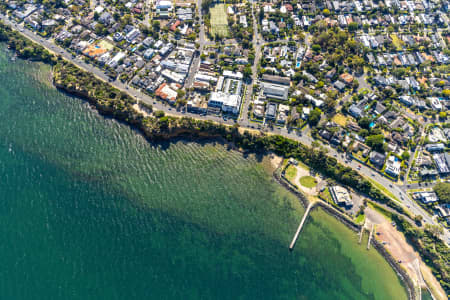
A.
x: 226, y: 102
x: 271, y: 111
x: 426, y: 197
x: 276, y: 91
x: 341, y: 196
x: 442, y: 161
x: 276, y: 79
x: 234, y: 75
x: 393, y: 166
x: 435, y: 147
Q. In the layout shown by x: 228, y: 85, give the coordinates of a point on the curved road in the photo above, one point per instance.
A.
x: 305, y: 139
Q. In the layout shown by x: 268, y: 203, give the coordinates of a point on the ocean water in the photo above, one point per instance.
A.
x: 91, y: 210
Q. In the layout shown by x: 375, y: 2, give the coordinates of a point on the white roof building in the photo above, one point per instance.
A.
x: 276, y: 91
x: 99, y: 9
x: 228, y: 103
x: 435, y: 103
x: 426, y: 197
x: 234, y: 75
x: 393, y: 166
x: 115, y: 60
x: 340, y: 196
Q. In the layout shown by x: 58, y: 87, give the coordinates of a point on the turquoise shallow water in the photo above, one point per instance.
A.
x: 91, y: 210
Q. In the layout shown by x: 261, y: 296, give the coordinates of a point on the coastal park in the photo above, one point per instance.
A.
x: 304, y: 178
x: 376, y: 227
x: 219, y: 22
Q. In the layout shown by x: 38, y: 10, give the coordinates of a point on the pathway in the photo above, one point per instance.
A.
x: 304, y: 139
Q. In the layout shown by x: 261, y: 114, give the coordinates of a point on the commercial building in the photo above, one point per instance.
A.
x: 226, y: 102
x: 276, y: 79
x: 340, y: 196
x: 163, y: 8
x: 435, y: 147
x: 271, y: 111
x: 276, y: 91
x: 442, y: 161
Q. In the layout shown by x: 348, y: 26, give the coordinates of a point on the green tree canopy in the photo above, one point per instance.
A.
x: 376, y: 142
x: 442, y: 189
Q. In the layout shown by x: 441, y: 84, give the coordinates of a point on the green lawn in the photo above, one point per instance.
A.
x: 397, y: 42
x: 360, y: 219
x: 326, y: 196
x: 308, y: 181
x: 340, y: 119
x: 383, y: 189
x: 290, y: 174
x: 381, y: 210
x: 219, y: 22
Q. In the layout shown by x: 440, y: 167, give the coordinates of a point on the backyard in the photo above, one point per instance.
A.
x: 340, y: 119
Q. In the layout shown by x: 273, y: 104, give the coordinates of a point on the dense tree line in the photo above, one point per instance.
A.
x: 430, y: 247
x: 442, y: 189
x: 109, y: 100
x: 25, y: 48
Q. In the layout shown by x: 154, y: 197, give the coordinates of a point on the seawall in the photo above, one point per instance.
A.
x: 401, y: 273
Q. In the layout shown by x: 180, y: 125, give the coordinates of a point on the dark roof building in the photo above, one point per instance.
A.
x: 377, y: 159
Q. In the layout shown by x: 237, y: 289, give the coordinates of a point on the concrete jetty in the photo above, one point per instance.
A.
x: 361, y: 233
x: 294, y: 240
x: 370, y: 237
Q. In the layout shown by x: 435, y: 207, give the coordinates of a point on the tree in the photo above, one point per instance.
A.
x: 261, y: 14
x: 180, y: 94
x: 159, y: 114
x: 434, y: 230
x: 314, y: 117
x: 365, y: 123
x: 316, y: 48
x: 405, y: 155
x: 376, y: 142
x: 247, y: 72
x: 446, y: 93
x: 442, y: 189
x: 418, y: 219
x: 353, y: 26
x: 156, y: 26
x: 206, y: 4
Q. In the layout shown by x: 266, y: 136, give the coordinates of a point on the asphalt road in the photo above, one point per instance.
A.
x: 303, y: 138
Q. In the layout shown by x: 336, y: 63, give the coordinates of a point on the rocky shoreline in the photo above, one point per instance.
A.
x: 119, y: 106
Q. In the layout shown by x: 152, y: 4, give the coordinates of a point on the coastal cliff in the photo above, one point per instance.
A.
x: 119, y: 105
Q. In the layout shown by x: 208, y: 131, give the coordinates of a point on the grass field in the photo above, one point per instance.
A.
x: 381, y: 210
x: 106, y: 45
x: 219, y: 23
x: 340, y: 120
x: 291, y: 172
x: 308, y: 181
x: 383, y: 189
x: 360, y: 219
